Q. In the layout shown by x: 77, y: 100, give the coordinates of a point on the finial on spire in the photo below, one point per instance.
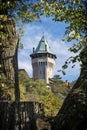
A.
x: 43, y: 33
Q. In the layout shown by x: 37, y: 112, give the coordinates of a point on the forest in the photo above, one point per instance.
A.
x: 15, y: 86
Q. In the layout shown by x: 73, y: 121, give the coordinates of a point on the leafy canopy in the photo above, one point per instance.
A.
x: 73, y: 12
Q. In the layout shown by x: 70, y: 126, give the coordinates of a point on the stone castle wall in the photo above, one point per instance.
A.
x: 20, y: 116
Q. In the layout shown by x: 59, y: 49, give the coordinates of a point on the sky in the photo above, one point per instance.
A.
x: 53, y: 32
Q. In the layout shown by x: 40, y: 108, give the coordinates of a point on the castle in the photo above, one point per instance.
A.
x: 43, y: 61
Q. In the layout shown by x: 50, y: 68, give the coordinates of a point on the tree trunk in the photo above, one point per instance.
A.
x: 9, y: 57
x: 15, y: 65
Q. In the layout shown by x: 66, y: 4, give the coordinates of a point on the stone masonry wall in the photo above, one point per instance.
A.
x: 20, y: 116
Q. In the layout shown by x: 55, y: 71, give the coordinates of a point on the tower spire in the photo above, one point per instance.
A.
x: 43, y: 33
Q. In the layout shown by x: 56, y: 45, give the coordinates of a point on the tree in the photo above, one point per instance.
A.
x: 73, y: 12
x: 11, y: 11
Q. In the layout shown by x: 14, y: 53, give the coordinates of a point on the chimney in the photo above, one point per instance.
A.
x: 33, y: 49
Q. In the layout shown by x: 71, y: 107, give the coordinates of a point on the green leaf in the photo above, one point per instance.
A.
x: 63, y: 72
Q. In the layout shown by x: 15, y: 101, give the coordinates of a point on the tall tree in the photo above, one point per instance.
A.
x: 11, y: 14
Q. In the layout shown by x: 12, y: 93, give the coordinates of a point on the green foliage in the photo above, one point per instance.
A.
x: 53, y: 81
x: 60, y: 89
x: 74, y: 13
x: 23, y: 94
x: 51, y: 104
x: 37, y: 91
x: 52, y: 98
x: 6, y: 88
x: 37, y: 87
x: 6, y: 92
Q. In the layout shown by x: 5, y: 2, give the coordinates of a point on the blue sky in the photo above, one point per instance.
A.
x: 53, y: 32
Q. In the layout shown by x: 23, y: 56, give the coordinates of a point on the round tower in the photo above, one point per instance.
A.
x: 43, y: 61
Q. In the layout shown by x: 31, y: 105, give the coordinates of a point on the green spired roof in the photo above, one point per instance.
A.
x: 43, y: 46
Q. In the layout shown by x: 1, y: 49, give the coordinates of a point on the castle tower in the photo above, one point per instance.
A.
x: 43, y: 61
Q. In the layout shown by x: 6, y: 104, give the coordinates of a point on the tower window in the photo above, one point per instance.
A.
x: 46, y: 63
x: 39, y: 63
